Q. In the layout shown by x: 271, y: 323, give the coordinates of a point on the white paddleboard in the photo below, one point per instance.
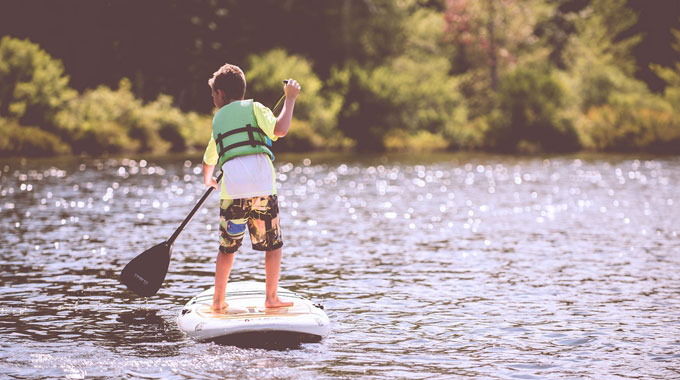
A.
x: 247, y: 321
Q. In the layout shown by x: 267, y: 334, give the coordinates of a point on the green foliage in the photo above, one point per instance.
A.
x: 374, y: 31
x: 103, y: 121
x: 301, y: 138
x: 672, y: 78
x: 612, y: 110
x: 360, y: 115
x: 600, y: 29
x: 412, y: 92
x: 558, y: 29
x: 629, y: 118
x: 618, y: 112
x: 489, y: 39
x: 406, y: 75
x: 33, y: 87
x: 315, y: 120
x: 398, y: 95
x: 422, y: 141
x: 599, y: 84
x: 106, y: 121
x: 631, y: 126
x: 529, y: 114
x: 471, y: 135
x: 160, y: 119
x: 17, y: 140
x: 196, y: 130
x: 671, y: 75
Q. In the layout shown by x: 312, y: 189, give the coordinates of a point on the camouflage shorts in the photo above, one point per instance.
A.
x: 259, y: 214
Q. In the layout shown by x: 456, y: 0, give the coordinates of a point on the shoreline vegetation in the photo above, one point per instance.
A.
x: 461, y: 76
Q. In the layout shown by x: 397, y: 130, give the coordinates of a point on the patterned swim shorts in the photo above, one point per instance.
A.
x: 259, y: 214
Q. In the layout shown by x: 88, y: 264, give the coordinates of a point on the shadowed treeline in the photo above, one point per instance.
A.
x: 511, y: 76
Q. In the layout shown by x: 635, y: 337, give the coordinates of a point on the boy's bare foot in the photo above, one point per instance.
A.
x: 276, y: 302
x: 219, y: 308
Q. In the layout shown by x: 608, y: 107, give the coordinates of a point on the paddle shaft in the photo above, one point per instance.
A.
x: 280, y: 99
x: 205, y: 196
x: 193, y: 212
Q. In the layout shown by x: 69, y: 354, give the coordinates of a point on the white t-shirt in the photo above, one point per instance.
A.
x: 248, y: 176
x: 252, y: 175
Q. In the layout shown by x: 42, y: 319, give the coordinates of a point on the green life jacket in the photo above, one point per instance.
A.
x: 237, y: 133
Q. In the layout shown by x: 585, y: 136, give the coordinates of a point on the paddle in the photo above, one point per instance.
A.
x: 145, y: 274
x: 280, y: 99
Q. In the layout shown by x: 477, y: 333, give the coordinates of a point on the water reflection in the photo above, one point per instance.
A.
x: 478, y: 266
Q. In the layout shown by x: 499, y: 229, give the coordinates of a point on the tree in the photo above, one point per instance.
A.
x: 489, y: 38
x: 412, y: 92
x: 600, y: 37
x: 671, y: 75
x: 558, y: 29
x: 33, y: 87
x: 316, y: 111
x: 656, y: 21
x: 529, y: 114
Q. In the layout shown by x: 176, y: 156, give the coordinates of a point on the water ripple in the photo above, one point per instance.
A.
x: 429, y: 267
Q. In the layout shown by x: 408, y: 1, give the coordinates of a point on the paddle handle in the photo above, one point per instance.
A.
x: 193, y: 212
x: 280, y: 99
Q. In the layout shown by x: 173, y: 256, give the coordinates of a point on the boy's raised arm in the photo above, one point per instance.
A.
x: 292, y: 90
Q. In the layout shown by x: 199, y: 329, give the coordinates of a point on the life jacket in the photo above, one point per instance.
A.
x: 236, y: 132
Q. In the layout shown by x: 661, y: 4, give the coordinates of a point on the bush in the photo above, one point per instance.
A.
x: 34, y: 91
x: 17, y: 140
x: 529, y: 114
x: 361, y: 116
x: 620, y: 114
x: 316, y: 111
x: 600, y: 83
x: 33, y: 87
x: 469, y: 136
x: 412, y: 92
x: 302, y: 138
x: 399, y: 96
x: 422, y: 141
x: 631, y: 126
x: 103, y: 121
x: 106, y: 121
x: 196, y: 129
x: 161, y: 126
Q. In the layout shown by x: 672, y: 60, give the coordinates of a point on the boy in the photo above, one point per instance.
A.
x: 248, y: 192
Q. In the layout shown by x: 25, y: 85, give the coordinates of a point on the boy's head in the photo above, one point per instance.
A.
x: 227, y: 84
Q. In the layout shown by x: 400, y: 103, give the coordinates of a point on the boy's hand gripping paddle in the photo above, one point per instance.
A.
x: 145, y: 274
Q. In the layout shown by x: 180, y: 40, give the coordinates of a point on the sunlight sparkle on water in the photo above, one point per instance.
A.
x: 540, y: 265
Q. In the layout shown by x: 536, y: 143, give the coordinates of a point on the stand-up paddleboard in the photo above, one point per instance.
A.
x: 247, y: 322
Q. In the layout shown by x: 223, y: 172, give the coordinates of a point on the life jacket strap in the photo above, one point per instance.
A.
x: 251, y: 138
x: 224, y: 150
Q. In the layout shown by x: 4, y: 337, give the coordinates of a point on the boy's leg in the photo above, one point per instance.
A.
x: 272, y: 268
x: 232, y: 230
x: 265, y: 234
x: 222, y: 270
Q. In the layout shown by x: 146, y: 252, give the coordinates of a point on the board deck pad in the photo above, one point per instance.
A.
x: 239, y: 312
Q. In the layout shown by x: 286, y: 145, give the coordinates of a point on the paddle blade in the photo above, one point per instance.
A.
x: 144, y: 275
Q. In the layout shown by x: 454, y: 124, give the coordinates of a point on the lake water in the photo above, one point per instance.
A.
x: 440, y: 266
